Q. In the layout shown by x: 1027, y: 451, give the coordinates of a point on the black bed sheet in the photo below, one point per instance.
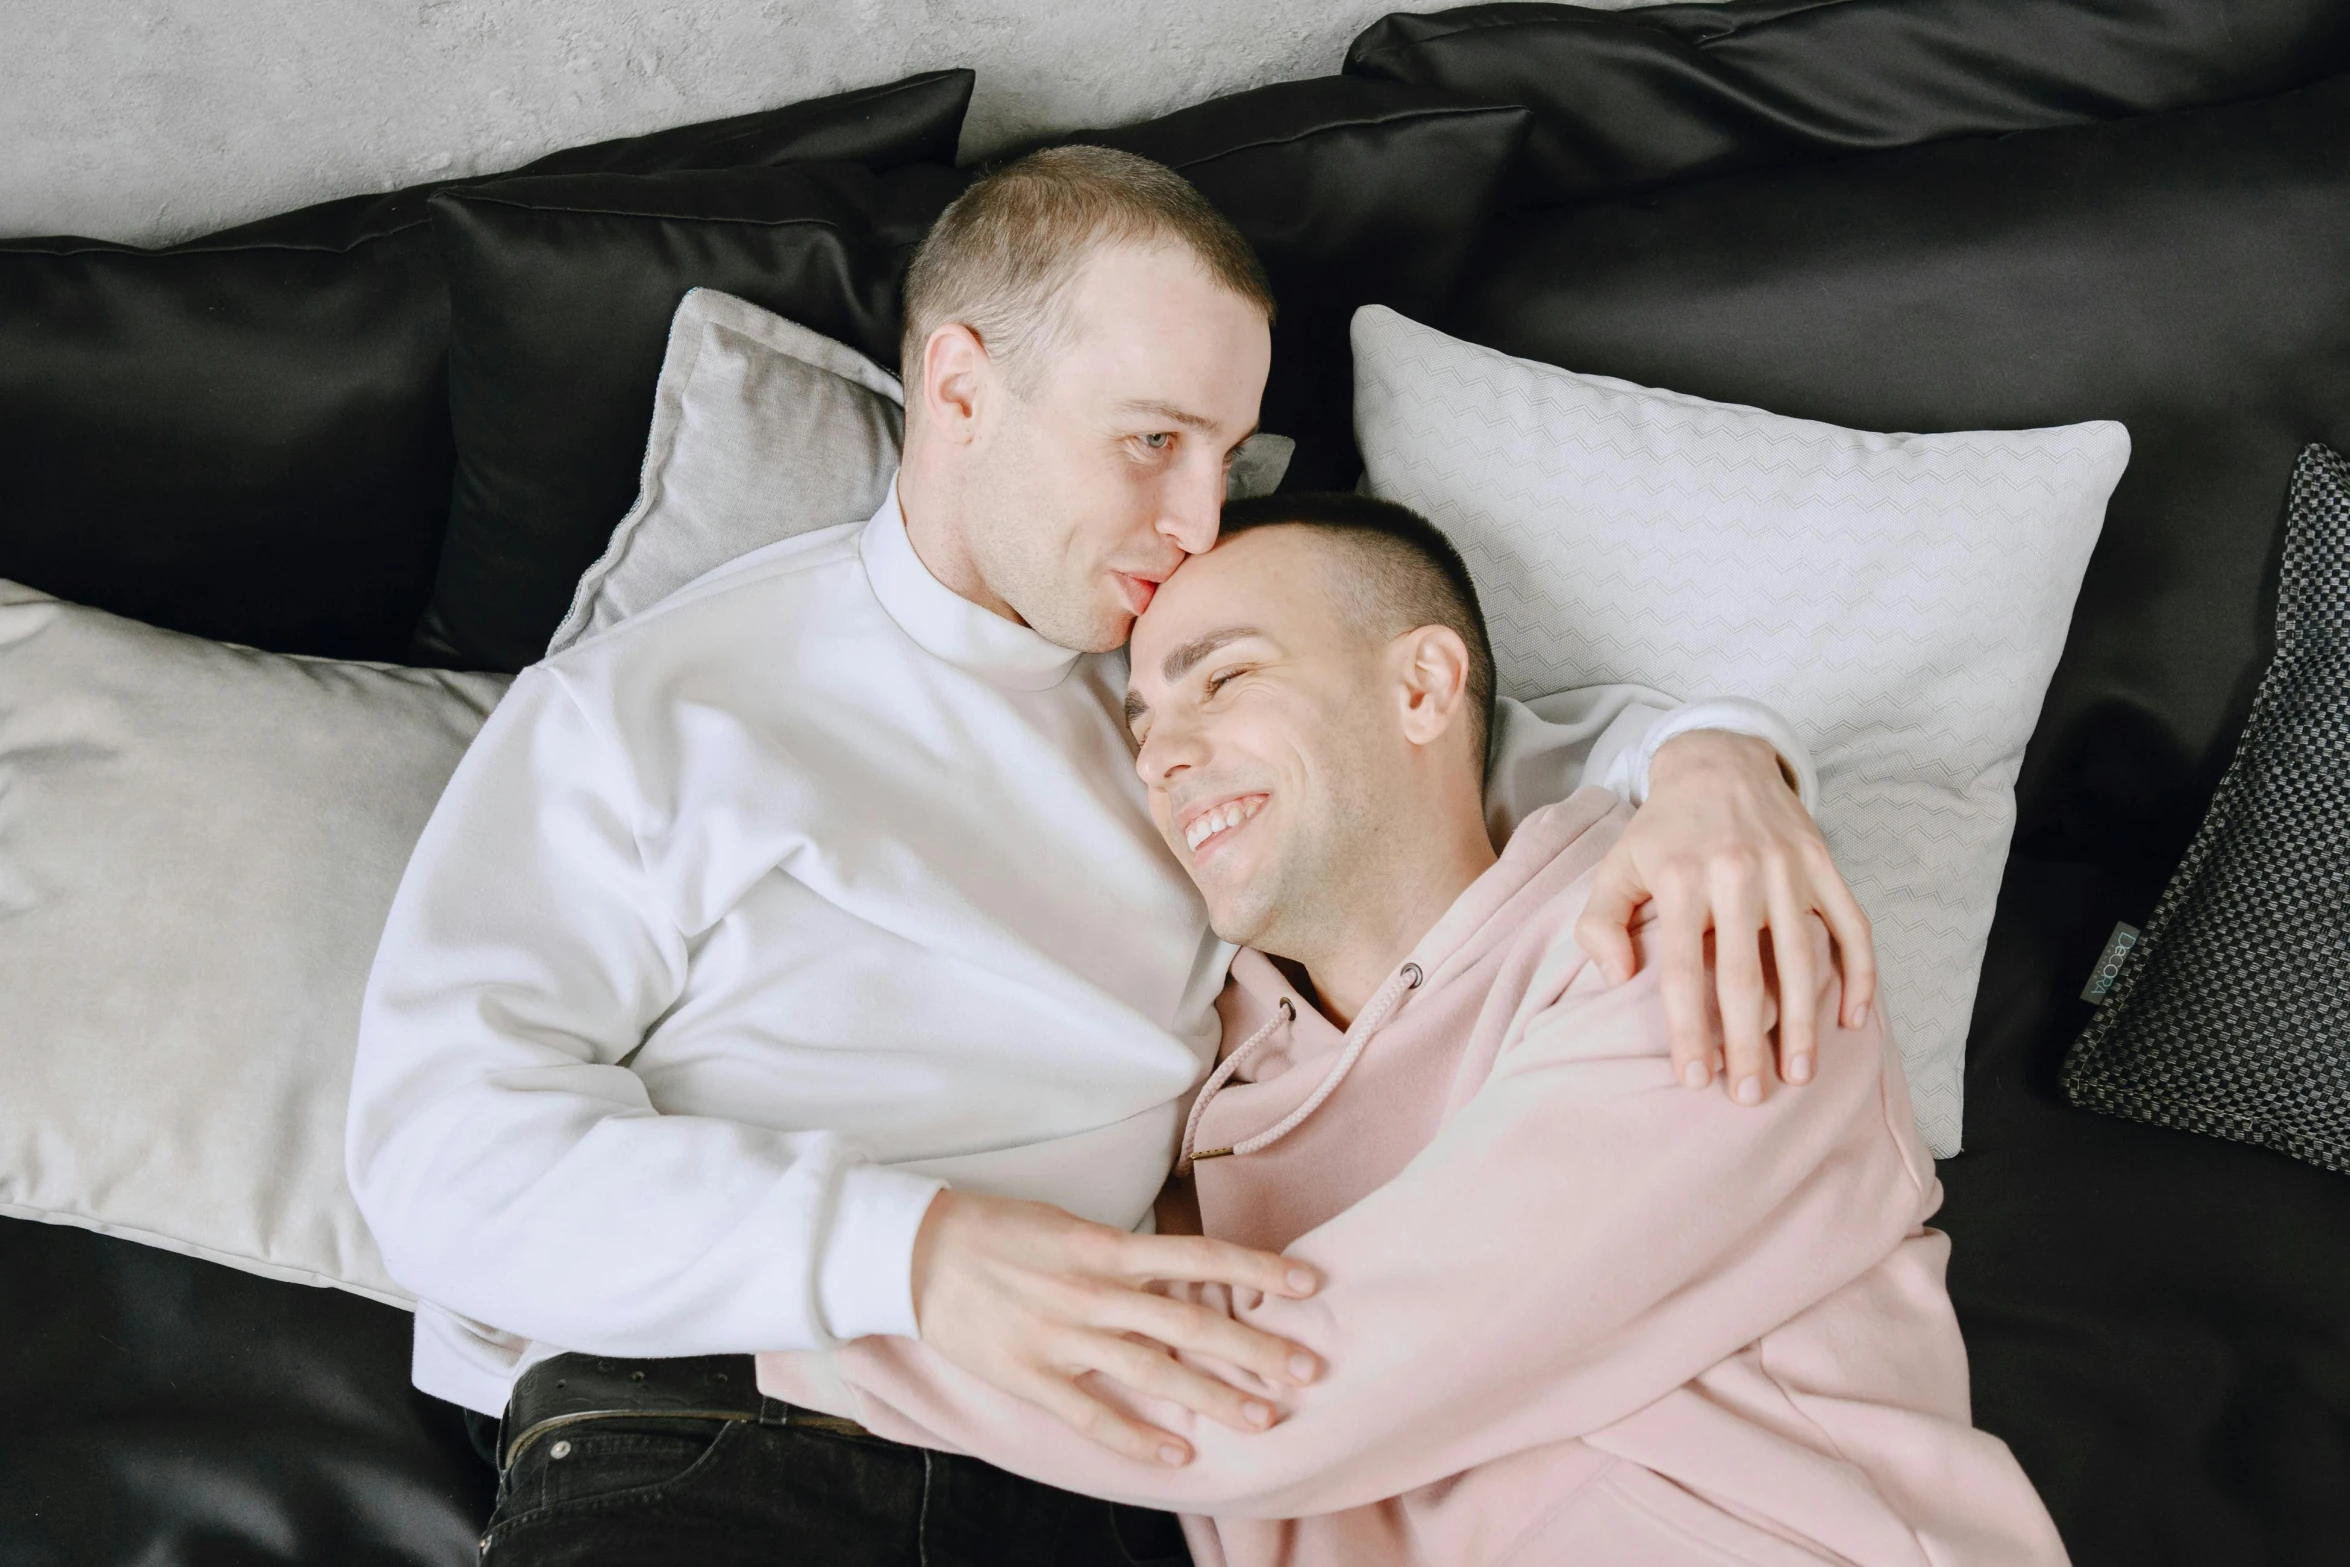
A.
x: 2157, y: 1323
x: 160, y: 1410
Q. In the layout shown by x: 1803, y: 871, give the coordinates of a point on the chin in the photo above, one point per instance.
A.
x: 1238, y: 918
x: 1096, y: 628
x: 1110, y: 635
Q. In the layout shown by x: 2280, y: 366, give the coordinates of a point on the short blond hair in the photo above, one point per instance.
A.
x: 1000, y: 259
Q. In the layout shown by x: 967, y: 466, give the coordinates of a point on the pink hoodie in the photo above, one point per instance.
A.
x: 1574, y: 1312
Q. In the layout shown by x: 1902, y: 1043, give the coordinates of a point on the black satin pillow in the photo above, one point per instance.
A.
x: 1353, y: 192
x: 247, y: 437
x: 1629, y: 98
x: 2182, y: 273
x: 561, y: 291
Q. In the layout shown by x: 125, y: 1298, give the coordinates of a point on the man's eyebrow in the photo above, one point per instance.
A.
x: 1179, y: 662
x: 1168, y: 412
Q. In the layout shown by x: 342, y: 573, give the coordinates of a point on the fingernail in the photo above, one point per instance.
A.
x: 1750, y: 1090
x: 1172, y: 1456
x: 1696, y: 1075
x: 1300, y: 1280
x: 1302, y: 1367
x: 1258, y: 1414
x: 1860, y: 1019
x: 1799, y: 1070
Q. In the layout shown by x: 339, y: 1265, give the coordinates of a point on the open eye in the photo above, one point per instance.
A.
x: 1159, y: 440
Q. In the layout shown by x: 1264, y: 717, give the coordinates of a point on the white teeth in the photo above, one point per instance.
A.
x: 1209, y: 823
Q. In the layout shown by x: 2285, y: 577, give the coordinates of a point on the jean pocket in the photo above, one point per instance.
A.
x: 618, y: 1460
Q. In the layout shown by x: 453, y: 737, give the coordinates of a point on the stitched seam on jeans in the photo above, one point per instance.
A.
x: 632, y: 1496
x: 922, y: 1516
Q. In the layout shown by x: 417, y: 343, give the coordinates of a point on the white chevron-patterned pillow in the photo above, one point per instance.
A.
x: 1901, y: 598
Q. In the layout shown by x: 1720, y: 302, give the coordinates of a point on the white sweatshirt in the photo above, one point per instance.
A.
x: 747, y: 925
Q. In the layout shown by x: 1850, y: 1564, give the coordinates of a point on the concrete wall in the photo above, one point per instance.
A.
x: 152, y: 120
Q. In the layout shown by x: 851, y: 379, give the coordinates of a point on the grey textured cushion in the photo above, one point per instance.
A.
x: 2231, y: 1016
x: 762, y: 429
x: 198, y: 844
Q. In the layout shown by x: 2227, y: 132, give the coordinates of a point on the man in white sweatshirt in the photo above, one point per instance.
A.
x: 796, y: 962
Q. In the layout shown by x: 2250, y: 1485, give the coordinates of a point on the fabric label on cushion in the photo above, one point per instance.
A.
x: 1901, y: 599
x: 2109, y: 964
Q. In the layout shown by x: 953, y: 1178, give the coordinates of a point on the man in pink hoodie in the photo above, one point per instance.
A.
x: 1569, y: 1311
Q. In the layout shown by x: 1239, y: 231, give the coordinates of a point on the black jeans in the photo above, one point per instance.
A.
x: 664, y: 1491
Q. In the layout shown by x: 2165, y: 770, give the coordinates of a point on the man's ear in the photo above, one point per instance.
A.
x: 955, y: 372
x: 1433, y: 663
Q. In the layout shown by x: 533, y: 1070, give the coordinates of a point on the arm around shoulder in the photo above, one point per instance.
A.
x: 1582, y: 1237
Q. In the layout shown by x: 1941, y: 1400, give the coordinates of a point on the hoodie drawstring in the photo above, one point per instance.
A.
x: 1389, y: 995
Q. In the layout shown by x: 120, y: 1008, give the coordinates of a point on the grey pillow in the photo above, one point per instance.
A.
x: 762, y: 429
x: 2231, y: 1015
x: 198, y: 844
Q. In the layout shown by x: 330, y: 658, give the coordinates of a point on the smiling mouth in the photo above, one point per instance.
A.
x: 1218, y: 820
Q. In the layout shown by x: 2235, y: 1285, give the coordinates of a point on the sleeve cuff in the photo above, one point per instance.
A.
x: 865, y: 1283
x: 1737, y: 715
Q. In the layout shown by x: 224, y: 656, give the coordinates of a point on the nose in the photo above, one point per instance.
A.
x: 1195, y: 502
x: 1172, y: 746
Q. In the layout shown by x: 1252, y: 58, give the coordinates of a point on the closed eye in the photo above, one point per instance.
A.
x: 1224, y: 677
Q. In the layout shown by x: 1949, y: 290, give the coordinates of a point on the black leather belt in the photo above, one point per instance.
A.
x: 570, y: 1389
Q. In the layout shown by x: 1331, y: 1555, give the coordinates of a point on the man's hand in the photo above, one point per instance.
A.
x: 1723, y: 845
x: 1035, y: 1301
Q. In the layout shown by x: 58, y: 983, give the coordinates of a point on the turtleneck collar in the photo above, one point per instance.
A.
x: 946, y: 624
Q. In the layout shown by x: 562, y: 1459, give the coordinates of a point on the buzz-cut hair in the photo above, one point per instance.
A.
x: 1398, y: 573
x: 1002, y: 258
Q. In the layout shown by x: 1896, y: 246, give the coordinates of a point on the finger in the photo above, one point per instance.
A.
x: 1856, y: 942
x: 1196, y: 1330
x: 1738, y: 978
x: 1095, y: 1420
x: 1679, y: 937
x: 1152, y: 1371
x: 1605, y: 930
x: 1796, y: 964
x: 1198, y: 1260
